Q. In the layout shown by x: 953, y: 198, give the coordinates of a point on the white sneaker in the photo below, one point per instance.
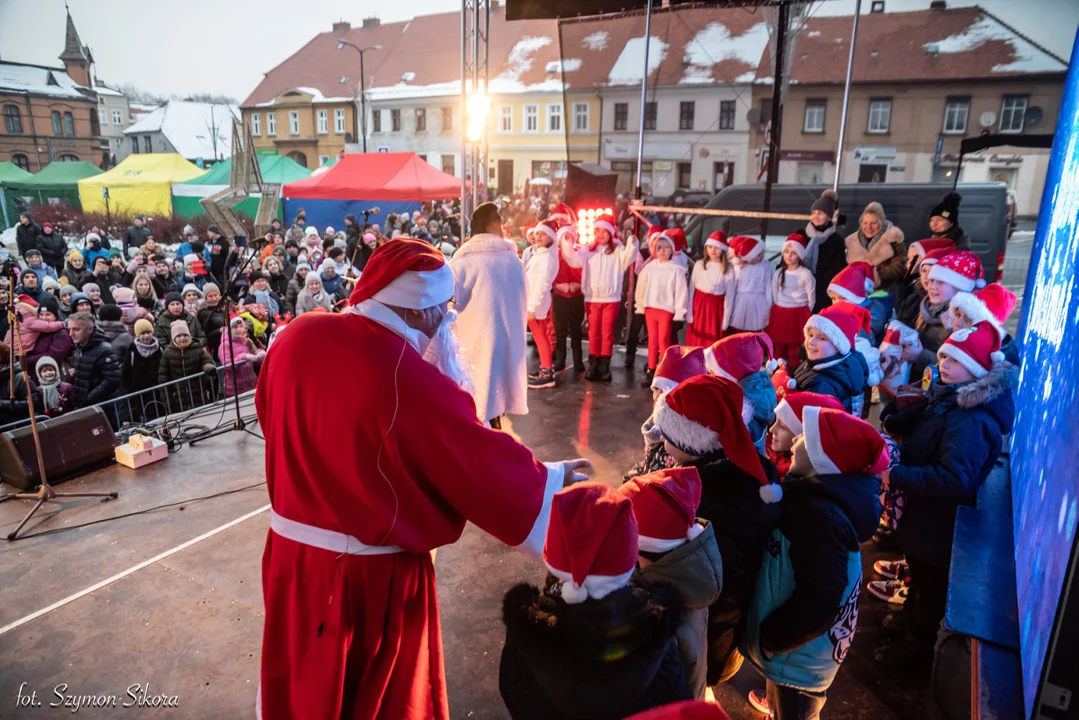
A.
x: 890, y: 569
x: 759, y: 701
x: 890, y: 591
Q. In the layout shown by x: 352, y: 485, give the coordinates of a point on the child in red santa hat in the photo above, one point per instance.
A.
x: 949, y: 444
x: 540, y: 271
x: 679, y: 363
x: 788, y: 425
x: 677, y: 547
x: 804, y: 613
x: 703, y: 423
x: 707, y: 310
x: 908, y: 292
x: 794, y: 292
x: 741, y: 357
x: 662, y: 296
x: 594, y: 642
x: 832, y: 366
x: 994, y: 304
x: 751, y: 301
x: 567, y: 301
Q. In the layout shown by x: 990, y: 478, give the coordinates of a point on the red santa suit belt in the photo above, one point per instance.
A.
x: 325, y: 539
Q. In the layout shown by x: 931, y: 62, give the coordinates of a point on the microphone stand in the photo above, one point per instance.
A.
x: 44, y: 492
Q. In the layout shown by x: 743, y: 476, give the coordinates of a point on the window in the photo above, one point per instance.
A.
x: 57, y: 124
x: 766, y: 111
x: 69, y: 124
x: 12, y: 120
x: 395, y: 120
x: 21, y: 160
x: 880, y: 116
x: 955, y: 116
x: 323, y: 159
x: 448, y: 165
x: 1012, y: 113
x: 134, y: 144
x: 293, y: 122
x: 323, y: 122
x: 554, y: 117
x: 256, y: 125
x: 68, y: 157
x: 505, y: 118
x: 271, y: 124
x: 686, y: 111
x: 339, y: 121
x: 621, y: 116
x: 810, y: 173
x: 103, y: 116
x: 146, y: 144
x: 117, y: 117
x: 814, y: 120
x: 580, y: 117
x: 447, y: 119
x: 421, y: 120
x: 650, y: 116
x: 531, y: 118
x: 376, y: 120
x: 685, y: 173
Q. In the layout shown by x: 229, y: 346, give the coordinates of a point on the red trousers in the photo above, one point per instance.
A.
x: 658, y: 322
x: 541, y: 334
x: 601, y: 321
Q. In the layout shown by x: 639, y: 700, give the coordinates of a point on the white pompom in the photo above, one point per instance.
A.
x: 772, y: 366
x: 996, y: 357
x: 979, y: 283
x: 694, y: 531
x: 771, y: 493
x: 572, y: 593
x: 792, y: 383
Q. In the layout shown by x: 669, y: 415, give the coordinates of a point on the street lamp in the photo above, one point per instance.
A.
x: 363, y: 87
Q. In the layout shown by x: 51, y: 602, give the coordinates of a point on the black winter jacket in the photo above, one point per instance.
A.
x: 831, y: 259
x: 907, y: 300
x: 53, y: 248
x: 97, y: 371
x: 76, y: 278
x: 842, y: 377
x: 12, y: 410
x: 949, y: 446
x: 134, y: 237
x: 177, y: 363
x: 26, y: 237
x: 599, y: 659
x: 212, y: 320
x: 138, y: 372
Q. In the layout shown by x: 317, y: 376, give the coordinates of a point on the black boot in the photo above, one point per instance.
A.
x: 605, y: 368
x: 578, y: 360
x: 631, y: 358
x: 647, y: 381
x: 560, y: 358
x: 593, y: 368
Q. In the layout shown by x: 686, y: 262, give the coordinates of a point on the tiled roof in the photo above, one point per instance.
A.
x: 925, y: 45
x: 38, y: 80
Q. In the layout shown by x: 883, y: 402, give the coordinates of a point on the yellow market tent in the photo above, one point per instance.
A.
x: 140, y: 184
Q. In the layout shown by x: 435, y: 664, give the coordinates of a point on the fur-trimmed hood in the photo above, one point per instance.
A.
x: 1003, y: 377
x: 880, y: 252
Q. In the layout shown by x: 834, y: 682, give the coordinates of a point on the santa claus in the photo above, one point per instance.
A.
x: 363, y: 491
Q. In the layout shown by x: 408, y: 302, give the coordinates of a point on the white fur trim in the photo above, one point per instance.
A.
x: 929, y: 262
x: 713, y: 367
x: 820, y: 461
x: 973, y: 308
x: 716, y: 244
x: 566, y: 230
x: 694, y: 531
x: 785, y: 413
x: 960, y: 356
x: 663, y: 384
x: 594, y: 586
x: 947, y: 275
x: 686, y: 434
x: 831, y: 331
x: 757, y: 251
x: 546, y: 230
x: 771, y: 493
x: 798, y: 248
x: 533, y: 544
x: 604, y: 225
x: 845, y: 294
x: 658, y: 545
x: 747, y: 411
x: 418, y: 290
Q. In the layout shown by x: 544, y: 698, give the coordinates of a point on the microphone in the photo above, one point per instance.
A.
x: 373, y: 211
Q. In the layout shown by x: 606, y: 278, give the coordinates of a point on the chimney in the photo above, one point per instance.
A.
x: 938, y: 5
x: 371, y: 23
x: 877, y: 6
x: 341, y: 27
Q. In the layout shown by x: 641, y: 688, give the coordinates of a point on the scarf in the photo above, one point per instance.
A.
x: 814, y: 231
x: 50, y: 393
x: 929, y: 314
x: 147, y: 349
x: 869, y: 242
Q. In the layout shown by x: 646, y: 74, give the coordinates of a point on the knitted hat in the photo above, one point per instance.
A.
x: 173, y: 296
x: 798, y: 242
x: 677, y: 236
x: 746, y: 247
x: 310, y: 230
x: 257, y: 275
x: 44, y: 362
x: 707, y: 413
x: 179, y: 327
x: 92, y: 236
x: 948, y: 208
x: 718, y: 239
x: 190, y: 231
x: 975, y: 348
x: 665, y: 505
x: 123, y: 295
x: 738, y: 355
x: 80, y: 298
x: 49, y: 283
x: 994, y: 304
x: 111, y: 313
x: 896, y: 336
x: 327, y: 264
x: 606, y: 222
x: 26, y: 300
x: 840, y: 323
x: 302, y: 264
x: 877, y: 210
x: 209, y: 288
x: 46, y: 225
x: 329, y: 229
x: 32, y: 252
x: 190, y: 258
x: 853, y: 283
x: 143, y: 325
x: 837, y: 443
x: 191, y: 287
x: 562, y: 214
x: 678, y: 364
x: 51, y: 304
x: 115, y: 253
x: 826, y: 203
x: 67, y: 290
x: 73, y: 254
x: 549, y: 228
x: 87, y: 287
x: 934, y: 256
x: 927, y: 245
x: 962, y: 270
x: 790, y: 409
x: 591, y: 541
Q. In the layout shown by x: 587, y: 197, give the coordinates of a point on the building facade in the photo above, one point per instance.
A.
x: 113, y: 115
x: 429, y: 126
x: 199, y: 132
x: 302, y: 124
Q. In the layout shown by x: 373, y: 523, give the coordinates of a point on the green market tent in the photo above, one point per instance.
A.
x: 57, y: 183
x: 275, y: 168
x: 9, y: 173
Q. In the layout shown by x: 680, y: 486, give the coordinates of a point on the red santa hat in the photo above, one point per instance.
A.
x: 563, y: 214
x: 233, y: 319
x: 975, y: 348
x: 549, y: 228
x: 840, y: 323
x: 405, y: 273
x: 678, y: 364
x: 738, y: 355
x: 837, y: 443
x: 782, y: 380
x: 654, y: 231
x: 994, y: 303
x: 23, y: 299
x: 677, y: 238
x: 685, y: 710
x: 530, y: 227
x: 934, y: 256
x: 926, y: 246
x: 853, y: 283
x: 790, y: 409
x: 718, y: 239
x: 746, y: 248
x: 798, y: 242
x: 567, y: 231
x: 962, y: 270
x: 707, y: 413
x: 896, y: 336
x: 665, y: 505
x: 606, y: 222
x: 591, y: 541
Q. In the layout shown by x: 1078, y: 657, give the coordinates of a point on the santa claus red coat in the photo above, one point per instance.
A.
x: 362, y: 491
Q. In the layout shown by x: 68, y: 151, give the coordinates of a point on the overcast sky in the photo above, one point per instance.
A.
x: 225, y: 46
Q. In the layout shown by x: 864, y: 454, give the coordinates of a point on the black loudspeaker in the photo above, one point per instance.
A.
x: 590, y: 186
x: 70, y: 444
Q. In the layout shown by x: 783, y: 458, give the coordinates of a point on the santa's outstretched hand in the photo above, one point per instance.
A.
x: 570, y: 468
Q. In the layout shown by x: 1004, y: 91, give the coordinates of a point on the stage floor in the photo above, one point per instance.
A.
x: 190, y: 625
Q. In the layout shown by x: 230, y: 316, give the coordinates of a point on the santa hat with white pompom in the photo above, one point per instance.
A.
x: 839, y: 443
x: 962, y: 270
x: 665, y: 504
x: 975, y: 348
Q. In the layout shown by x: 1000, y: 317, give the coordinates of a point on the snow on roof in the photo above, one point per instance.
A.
x: 189, y: 126
x: 404, y: 90
x: 518, y: 63
x: 714, y: 44
x: 596, y: 41
x: 1028, y: 57
x: 102, y: 89
x: 627, y: 68
x: 567, y: 65
x: 38, y: 80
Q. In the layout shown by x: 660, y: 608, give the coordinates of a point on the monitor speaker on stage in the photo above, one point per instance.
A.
x: 590, y: 186
x: 70, y: 444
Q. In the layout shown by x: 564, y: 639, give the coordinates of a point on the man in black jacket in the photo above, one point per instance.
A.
x: 97, y: 371
x: 53, y: 247
x: 220, y: 248
x: 26, y: 234
x: 136, y: 234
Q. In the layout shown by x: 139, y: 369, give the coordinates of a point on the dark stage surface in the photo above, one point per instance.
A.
x: 190, y: 624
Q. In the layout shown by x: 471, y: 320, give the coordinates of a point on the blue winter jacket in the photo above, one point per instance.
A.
x: 186, y: 249
x: 759, y: 390
x: 840, y: 376
x: 804, y: 612
x: 90, y: 256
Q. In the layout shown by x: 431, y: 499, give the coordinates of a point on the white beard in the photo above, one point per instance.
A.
x: 444, y: 352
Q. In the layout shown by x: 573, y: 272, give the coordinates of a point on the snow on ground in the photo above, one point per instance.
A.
x: 714, y: 44
x: 1028, y: 58
x: 627, y: 68
x: 596, y: 41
